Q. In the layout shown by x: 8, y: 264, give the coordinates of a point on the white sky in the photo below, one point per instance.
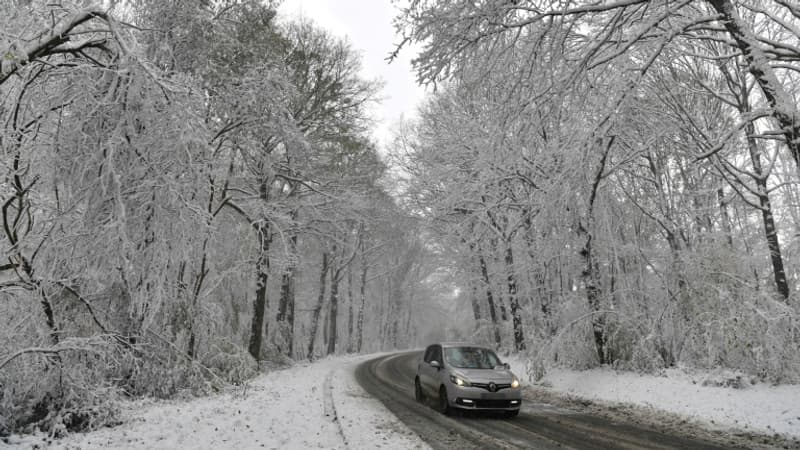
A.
x: 367, y: 24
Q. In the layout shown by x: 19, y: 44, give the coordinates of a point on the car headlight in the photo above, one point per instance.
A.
x: 515, y: 383
x: 459, y: 381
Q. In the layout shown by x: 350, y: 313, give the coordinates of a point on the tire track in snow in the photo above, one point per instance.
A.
x: 329, y: 407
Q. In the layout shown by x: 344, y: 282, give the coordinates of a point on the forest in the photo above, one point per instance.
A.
x: 191, y: 193
x: 617, y: 181
x: 189, y: 188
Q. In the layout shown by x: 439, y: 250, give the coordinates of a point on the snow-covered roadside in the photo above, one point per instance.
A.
x: 365, y: 422
x: 317, y: 405
x: 757, y: 407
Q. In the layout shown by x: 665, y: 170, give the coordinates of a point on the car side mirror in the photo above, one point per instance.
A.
x: 503, y: 365
x: 436, y: 364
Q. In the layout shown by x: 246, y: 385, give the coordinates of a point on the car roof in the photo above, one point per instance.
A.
x: 462, y: 344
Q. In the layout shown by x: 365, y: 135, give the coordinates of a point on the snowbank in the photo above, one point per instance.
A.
x: 695, y: 395
x: 317, y: 405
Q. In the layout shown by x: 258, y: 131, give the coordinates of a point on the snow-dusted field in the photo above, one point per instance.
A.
x: 752, y: 407
x: 317, y: 405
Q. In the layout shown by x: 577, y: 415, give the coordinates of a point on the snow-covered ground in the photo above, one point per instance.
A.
x: 696, y: 395
x: 320, y: 405
x: 317, y: 405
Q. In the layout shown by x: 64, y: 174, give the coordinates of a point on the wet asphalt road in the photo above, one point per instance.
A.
x: 539, y: 425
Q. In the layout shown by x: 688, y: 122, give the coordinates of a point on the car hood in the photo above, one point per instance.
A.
x: 485, y: 375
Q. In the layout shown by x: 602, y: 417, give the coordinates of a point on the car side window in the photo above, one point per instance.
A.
x: 429, y: 354
x: 437, y: 354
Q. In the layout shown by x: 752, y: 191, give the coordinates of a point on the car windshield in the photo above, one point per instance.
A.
x: 471, y: 358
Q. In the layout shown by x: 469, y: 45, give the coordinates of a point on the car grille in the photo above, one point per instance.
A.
x: 490, y: 404
x: 486, y: 386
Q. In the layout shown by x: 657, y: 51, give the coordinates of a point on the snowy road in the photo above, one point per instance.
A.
x: 390, y: 379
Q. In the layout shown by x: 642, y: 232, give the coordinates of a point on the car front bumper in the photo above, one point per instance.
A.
x: 480, y: 399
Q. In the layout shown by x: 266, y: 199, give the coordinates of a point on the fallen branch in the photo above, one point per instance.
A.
x: 54, y: 350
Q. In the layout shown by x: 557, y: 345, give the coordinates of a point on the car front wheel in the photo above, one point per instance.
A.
x: 444, y: 405
x: 418, y: 395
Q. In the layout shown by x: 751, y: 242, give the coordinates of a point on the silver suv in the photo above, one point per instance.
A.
x: 467, y: 377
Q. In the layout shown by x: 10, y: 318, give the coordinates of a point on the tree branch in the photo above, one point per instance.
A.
x: 48, y: 43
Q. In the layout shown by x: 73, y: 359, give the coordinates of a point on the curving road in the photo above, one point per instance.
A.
x: 539, y: 425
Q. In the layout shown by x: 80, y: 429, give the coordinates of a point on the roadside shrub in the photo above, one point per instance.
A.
x: 231, y: 363
x: 755, y: 334
x: 58, y: 392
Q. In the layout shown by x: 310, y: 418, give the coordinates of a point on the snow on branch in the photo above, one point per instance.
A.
x: 47, y: 44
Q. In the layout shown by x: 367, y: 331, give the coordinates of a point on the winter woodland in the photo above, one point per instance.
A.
x: 191, y: 193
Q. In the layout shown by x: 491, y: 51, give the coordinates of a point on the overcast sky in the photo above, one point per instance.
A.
x: 367, y: 24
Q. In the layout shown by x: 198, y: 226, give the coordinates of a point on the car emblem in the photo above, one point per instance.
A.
x: 492, y: 387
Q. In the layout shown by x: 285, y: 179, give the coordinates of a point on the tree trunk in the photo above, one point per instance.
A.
x: 473, y: 286
x: 323, y: 273
x: 590, y: 278
x: 333, y: 313
x: 539, y: 278
x: 766, y: 214
x: 362, y: 293
x: 264, y: 235
x: 513, y: 300
x: 490, y: 300
x: 325, y: 327
x: 257, y: 325
x: 782, y: 104
x: 285, y: 317
x: 350, y: 309
x: 47, y: 307
x: 384, y: 331
x: 590, y: 273
x: 476, y: 307
x: 407, y: 328
x: 726, y: 219
x: 198, y: 287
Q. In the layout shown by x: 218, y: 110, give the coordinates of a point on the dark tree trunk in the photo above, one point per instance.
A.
x: 285, y: 317
x: 476, y: 307
x: 490, y: 300
x: 385, y: 329
x: 726, y: 219
x: 362, y: 294
x: 539, y: 280
x: 323, y: 273
x: 257, y: 325
x: 198, y: 286
x: 513, y: 300
x: 766, y: 214
x: 391, y: 312
x: 333, y: 312
x: 407, y: 328
x: 350, y: 309
x: 590, y: 273
x: 50, y: 318
x: 325, y: 328
x: 499, y: 301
